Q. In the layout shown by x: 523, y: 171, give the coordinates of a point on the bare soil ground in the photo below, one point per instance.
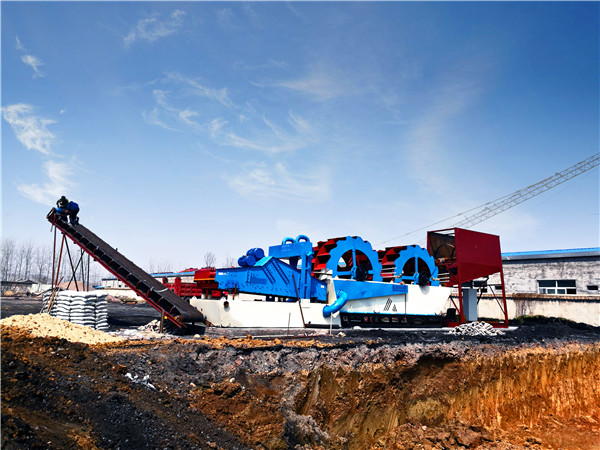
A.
x: 533, y: 387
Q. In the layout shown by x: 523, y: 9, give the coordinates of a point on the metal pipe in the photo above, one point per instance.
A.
x: 342, y: 298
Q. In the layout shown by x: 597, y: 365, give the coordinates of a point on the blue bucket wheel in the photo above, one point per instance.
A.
x: 415, y: 265
x: 353, y: 258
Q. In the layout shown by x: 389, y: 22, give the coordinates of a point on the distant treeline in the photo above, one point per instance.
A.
x: 27, y: 260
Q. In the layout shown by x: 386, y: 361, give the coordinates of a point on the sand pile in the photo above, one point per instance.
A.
x: 44, y: 325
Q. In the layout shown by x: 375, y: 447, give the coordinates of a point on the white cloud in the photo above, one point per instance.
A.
x: 59, y: 181
x: 277, y: 181
x: 252, y: 15
x: 29, y: 129
x: 444, y: 104
x: 153, y: 118
x: 186, y: 117
x: 215, y: 126
x: 35, y: 63
x: 170, y: 117
x: 19, y: 44
x: 301, y: 125
x: 270, y: 65
x: 321, y: 83
x: 152, y: 29
x: 173, y: 110
x: 194, y: 87
x: 271, y: 139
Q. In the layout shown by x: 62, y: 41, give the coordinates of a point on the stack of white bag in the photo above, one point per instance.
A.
x: 83, y: 308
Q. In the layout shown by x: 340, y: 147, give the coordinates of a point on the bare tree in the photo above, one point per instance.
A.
x: 161, y: 266
x: 42, y: 265
x: 210, y: 259
x: 229, y: 261
x: 18, y: 261
x: 8, y: 255
x: 28, y: 254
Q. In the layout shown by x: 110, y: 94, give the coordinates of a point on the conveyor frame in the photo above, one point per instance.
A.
x: 161, y: 298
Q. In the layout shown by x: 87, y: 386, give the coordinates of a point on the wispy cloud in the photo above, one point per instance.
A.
x: 194, y: 86
x: 271, y: 138
x: 154, y: 118
x: 271, y: 64
x: 59, y: 181
x: 427, y: 134
x: 35, y: 64
x: 260, y: 180
x: 32, y: 61
x: 20, y: 45
x: 31, y: 130
x: 252, y: 15
x: 153, y: 28
x: 321, y: 83
x: 225, y: 123
x: 169, y: 117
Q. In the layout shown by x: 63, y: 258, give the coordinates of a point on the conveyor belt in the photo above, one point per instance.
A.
x: 145, y: 285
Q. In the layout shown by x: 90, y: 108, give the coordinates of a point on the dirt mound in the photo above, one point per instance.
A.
x: 44, y: 325
x: 60, y: 394
x: 322, y: 392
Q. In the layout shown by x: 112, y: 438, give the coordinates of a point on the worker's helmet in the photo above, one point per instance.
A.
x: 63, y: 201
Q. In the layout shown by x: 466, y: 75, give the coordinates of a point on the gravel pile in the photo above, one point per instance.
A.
x: 153, y: 326
x: 89, y: 309
x: 475, y: 329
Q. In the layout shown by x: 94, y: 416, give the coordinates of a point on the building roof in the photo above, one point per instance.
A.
x: 551, y: 254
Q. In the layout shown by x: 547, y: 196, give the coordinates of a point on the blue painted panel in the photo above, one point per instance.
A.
x: 270, y: 276
x: 367, y: 289
x: 290, y: 250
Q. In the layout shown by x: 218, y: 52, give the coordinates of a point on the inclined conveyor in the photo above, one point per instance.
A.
x: 174, y: 308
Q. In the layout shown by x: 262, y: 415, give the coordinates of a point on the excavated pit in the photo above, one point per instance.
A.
x: 535, y: 387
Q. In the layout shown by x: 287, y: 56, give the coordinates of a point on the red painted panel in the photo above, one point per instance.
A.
x: 477, y: 254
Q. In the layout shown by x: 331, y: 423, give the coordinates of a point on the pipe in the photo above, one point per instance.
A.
x: 342, y: 298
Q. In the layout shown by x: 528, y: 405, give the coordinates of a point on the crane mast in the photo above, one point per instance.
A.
x: 502, y: 204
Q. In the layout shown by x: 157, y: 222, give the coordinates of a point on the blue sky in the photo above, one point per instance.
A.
x: 182, y: 128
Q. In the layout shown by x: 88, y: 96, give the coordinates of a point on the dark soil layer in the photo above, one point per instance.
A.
x: 533, y: 387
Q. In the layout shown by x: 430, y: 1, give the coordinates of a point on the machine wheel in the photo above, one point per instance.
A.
x: 349, y: 258
x: 416, y: 266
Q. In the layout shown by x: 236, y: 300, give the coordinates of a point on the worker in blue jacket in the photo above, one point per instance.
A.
x: 66, y: 208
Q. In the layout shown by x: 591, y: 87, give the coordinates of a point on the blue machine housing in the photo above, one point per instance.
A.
x: 271, y: 276
x: 356, y: 290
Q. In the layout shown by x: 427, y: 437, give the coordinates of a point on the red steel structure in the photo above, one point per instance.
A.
x: 204, y: 285
x: 463, y: 256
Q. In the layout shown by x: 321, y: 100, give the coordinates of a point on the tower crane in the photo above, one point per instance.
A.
x: 495, y: 207
x: 501, y: 204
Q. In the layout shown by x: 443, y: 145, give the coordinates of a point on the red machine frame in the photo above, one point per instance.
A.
x: 204, y: 283
x: 463, y: 256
